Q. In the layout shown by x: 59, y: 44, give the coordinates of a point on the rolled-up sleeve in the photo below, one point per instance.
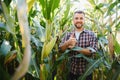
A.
x: 93, y: 42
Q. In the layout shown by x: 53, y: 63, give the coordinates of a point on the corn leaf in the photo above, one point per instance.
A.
x: 112, y: 5
x: 91, y: 67
x: 5, y: 47
x: 10, y: 56
x: 114, y: 72
x: 50, y: 46
x: 117, y: 47
x: 9, y: 20
x: 30, y: 4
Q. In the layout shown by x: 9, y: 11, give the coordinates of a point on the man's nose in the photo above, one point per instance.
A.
x: 79, y: 20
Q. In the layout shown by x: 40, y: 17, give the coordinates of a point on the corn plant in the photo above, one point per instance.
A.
x: 50, y: 12
x: 48, y: 20
x: 106, y: 30
x: 10, y: 27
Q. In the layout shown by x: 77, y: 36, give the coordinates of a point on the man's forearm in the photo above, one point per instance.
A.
x: 85, y: 52
x: 64, y: 46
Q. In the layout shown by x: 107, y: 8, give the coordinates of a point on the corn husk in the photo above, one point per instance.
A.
x: 111, y: 45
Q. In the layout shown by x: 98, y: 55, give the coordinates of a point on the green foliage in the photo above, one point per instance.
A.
x: 114, y: 72
x: 4, y: 75
x: 47, y: 21
x: 112, y: 6
x: 48, y: 8
x: 2, y: 26
x: 5, y: 47
x: 91, y: 67
x: 117, y: 48
x: 7, y: 2
x: 9, y: 20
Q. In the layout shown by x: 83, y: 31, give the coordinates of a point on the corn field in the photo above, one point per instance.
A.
x: 31, y: 31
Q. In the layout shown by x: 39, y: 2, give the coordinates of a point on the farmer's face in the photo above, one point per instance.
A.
x: 78, y: 20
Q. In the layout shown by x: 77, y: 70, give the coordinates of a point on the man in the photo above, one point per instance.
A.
x: 79, y: 37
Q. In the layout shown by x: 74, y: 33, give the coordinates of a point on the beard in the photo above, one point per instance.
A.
x: 78, y: 26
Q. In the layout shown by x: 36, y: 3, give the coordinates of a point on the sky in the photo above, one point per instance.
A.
x: 80, y: 4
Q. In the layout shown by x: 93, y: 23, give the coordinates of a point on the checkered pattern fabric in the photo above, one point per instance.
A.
x: 86, y: 39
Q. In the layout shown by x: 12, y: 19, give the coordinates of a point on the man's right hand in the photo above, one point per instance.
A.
x: 72, y: 41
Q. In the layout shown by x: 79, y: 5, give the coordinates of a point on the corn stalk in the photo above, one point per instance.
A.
x: 24, y: 29
x: 48, y: 7
x: 47, y: 48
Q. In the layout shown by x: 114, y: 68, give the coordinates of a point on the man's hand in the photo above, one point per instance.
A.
x: 72, y: 41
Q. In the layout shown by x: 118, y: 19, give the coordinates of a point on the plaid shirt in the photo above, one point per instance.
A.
x: 86, y: 39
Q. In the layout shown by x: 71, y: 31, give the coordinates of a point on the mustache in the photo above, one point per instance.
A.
x: 79, y: 24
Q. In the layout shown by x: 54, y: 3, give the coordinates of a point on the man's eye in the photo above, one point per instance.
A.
x: 81, y: 18
x: 76, y: 18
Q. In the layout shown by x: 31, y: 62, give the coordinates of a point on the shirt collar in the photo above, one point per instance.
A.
x: 85, y: 30
x: 73, y: 29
